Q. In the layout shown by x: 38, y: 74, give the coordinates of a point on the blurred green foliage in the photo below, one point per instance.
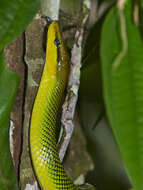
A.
x: 122, y: 66
x: 15, y: 15
x: 8, y: 87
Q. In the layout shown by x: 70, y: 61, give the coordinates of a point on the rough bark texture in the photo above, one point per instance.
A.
x: 34, y: 59
x: 14, y: 58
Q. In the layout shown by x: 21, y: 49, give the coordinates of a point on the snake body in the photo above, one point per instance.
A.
x: 47, y: 166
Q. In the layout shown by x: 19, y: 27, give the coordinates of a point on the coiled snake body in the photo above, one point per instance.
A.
x: 45, y: 158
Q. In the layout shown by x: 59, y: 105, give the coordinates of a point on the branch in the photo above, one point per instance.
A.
x: 73, y: 86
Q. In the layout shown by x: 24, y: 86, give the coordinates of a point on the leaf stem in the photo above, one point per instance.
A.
x: 123, y: 37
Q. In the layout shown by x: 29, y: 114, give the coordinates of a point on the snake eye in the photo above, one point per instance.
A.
x: 57, y: 42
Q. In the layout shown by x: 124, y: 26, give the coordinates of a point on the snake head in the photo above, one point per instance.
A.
x: 57, y: 56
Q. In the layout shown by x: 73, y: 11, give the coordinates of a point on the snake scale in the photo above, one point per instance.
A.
x: 47, y: 166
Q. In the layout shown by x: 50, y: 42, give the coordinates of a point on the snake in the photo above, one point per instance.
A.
x: 47, y: 166
x: 43, y: 145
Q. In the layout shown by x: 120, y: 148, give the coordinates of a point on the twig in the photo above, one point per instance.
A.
x: 73, y: 86
x: 136, y: 14
x: 124, y: 38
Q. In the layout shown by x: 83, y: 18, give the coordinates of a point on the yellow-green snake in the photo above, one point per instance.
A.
x: 43, y: 147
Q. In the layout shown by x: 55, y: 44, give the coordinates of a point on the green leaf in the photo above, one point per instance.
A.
x: 15, y: 15
x: 109, y: 172
x: 122, y: 67
x: 8, y: 88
